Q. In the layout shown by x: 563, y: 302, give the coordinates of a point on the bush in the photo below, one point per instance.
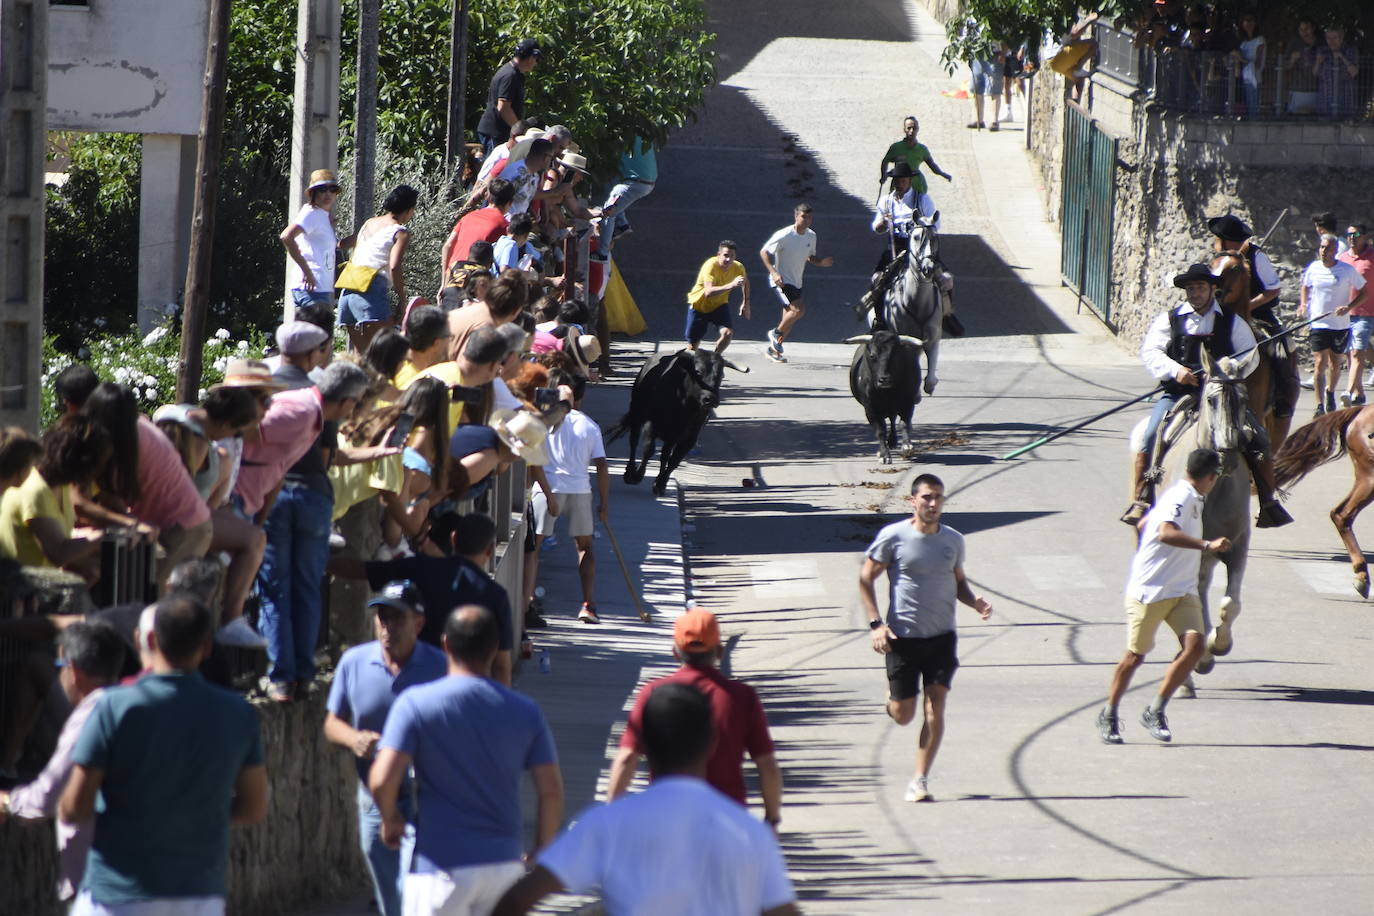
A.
x: 146, y: 364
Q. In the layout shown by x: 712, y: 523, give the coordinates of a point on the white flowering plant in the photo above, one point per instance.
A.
x: 146, y: 364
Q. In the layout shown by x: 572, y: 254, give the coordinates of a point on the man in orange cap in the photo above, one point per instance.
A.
x: 735, y: 710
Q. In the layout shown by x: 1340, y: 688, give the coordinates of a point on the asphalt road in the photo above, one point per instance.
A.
x: 1262, y: 803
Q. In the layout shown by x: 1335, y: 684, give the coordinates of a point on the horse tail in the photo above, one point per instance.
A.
x: 620, y: 429
x: 1317, y: 443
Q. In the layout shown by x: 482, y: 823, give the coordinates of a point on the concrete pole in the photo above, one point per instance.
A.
x: 315, y: 121
x: 365, y: 116
x: 166, y: 190
x: 209, y: 149
x: 23, y: 112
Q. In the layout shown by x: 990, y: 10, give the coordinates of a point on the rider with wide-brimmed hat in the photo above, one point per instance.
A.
x: 1173, y: 352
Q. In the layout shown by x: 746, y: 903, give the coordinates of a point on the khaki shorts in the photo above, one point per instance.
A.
x: 1181, y: 614
x: 575, y: 507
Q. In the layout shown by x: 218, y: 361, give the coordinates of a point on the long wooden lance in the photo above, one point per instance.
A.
x: 1107, y: 413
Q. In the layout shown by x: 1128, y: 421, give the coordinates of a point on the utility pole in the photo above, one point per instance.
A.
x: 209, y: 146
x: 457, y: 92
x: 365, y: 115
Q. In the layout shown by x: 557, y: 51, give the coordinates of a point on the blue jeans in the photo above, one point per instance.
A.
x: 289, y: 581
x: 388, y: 866
x: 984, y: 78
x: 617, y: 202
x: 300, y: 297
x: 1165, y: 404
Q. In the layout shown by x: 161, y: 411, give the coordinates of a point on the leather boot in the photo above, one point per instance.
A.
x: 1140, y: 498
x: 1271, y: 512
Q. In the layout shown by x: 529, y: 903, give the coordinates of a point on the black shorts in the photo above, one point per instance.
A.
x: 1327, y: 339
x: 788, y: 293
x: 916, y: 660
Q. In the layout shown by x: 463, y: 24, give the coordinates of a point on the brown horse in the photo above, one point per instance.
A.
x: 1233, y: 292
x: 1326, y: 439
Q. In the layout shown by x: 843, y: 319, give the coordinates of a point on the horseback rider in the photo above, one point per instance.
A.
x: 1173, y: 353
x: 896, y: 215
x: 1232, y: 234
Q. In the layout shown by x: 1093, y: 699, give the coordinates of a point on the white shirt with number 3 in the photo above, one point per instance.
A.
x: 1159, y: 571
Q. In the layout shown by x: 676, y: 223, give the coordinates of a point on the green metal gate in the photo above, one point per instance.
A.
x: 1086, y: 213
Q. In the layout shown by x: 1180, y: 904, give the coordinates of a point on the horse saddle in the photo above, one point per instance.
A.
x: 1181, y: 416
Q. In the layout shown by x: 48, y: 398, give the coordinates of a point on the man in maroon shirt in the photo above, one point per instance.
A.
x: 735, y: 708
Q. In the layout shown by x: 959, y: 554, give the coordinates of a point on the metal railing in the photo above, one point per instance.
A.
x: 1308, y: 84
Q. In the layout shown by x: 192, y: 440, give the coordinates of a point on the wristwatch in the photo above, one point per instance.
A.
x: 875, y: 623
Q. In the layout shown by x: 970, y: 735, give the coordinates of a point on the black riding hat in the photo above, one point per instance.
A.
x: 1194, y: 273
x: 901, y: 170
x: 1229, y: 228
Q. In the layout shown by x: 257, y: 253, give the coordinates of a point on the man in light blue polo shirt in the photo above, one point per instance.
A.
x: 366, y: 683
x: 470, y: 740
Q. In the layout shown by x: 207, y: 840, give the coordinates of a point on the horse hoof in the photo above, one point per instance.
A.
x: 1186, y: 691
x: 1205, y: 664
x: 1219, y: 642
x: 1362, y: 584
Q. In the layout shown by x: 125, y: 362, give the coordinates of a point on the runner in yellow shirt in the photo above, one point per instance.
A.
x: 708, y: 302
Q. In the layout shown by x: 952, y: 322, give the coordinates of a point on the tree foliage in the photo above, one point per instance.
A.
x: 612, y: 70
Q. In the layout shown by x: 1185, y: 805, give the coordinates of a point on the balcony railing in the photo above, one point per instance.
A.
x: 1315, y: 85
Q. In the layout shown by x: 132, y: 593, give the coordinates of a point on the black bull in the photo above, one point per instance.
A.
x: 673, y: 396
x: 885, y: 378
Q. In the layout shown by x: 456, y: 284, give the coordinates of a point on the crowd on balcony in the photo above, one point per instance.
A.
x: 1255, y: 62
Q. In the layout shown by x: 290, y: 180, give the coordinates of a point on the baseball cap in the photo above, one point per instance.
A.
x: 527, y: 47
x: 401, y: 594
x: 696, y: 631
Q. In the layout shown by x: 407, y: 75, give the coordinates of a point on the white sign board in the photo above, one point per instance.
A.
x: 128, y: 66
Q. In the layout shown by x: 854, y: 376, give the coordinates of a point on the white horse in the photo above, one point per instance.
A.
x: 1220, y: 424
x: 912, y: 303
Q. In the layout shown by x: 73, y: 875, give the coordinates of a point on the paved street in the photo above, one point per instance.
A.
x: 1263, y: 802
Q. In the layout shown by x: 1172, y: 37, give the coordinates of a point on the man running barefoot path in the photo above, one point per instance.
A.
x: 785, y: 256
x: 925, y: 564
x: 1163, y: 589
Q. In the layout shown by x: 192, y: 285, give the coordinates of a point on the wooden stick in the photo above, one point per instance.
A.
x: 629, y: 583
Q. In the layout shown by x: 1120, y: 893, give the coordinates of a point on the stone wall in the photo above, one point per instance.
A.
x: 304, y: 854
x: 1046, y: 105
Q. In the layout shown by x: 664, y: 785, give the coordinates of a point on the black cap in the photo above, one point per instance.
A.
x: 401, y: 594
x: 1195, y: 273
x: 529, y: 47
x: 901, y: 169
x: 1229, y: 228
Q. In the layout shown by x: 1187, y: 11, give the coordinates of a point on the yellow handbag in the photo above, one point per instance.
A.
x: 356, y: 277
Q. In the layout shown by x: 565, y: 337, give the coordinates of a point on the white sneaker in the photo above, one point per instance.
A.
x: 1309, y: 382
x: 918, y: 791
x: 239, y: 634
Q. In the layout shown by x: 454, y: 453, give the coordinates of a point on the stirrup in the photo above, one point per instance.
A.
x: 1133, y: 515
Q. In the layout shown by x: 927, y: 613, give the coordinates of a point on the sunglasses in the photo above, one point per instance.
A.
x: 1353, y: 235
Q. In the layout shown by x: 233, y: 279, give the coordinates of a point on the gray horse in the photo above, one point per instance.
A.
x: 912, y: 303
x: 1219, y: 425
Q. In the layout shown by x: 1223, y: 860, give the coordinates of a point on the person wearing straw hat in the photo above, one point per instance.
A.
x: 574, y: 446
x: 1172, y: 351
x: 310, y: 242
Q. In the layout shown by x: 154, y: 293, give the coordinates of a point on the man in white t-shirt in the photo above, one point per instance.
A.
x: 785, y: 256
x: 678, y: 847
x: 1163, y: 589
x: 572, y: 448
x: 1330, y: 289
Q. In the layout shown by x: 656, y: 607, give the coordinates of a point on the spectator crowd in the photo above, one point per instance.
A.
x: 378, y: 461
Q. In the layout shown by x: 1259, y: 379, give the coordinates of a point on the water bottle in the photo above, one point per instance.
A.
x: 545, y: 662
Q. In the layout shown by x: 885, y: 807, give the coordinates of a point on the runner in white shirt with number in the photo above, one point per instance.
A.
x: 1163, y: 588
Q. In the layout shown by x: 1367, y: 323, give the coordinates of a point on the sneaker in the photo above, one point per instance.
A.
x: 1309, y: 382
x: 774, y: 341
x: 917, y: 791
x: 1109, y: 727
x: 774, y: 355
x: 1330, y: 402
x: 239, y: 634
x: 1346, y: 398
x: 1156, y: 724
x: 1357, y: 400
x: 280, y: 692
x: 1319, y: 411
x: 588, y: 613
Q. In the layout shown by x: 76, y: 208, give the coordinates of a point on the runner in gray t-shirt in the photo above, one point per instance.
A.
x: 924, y: 561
